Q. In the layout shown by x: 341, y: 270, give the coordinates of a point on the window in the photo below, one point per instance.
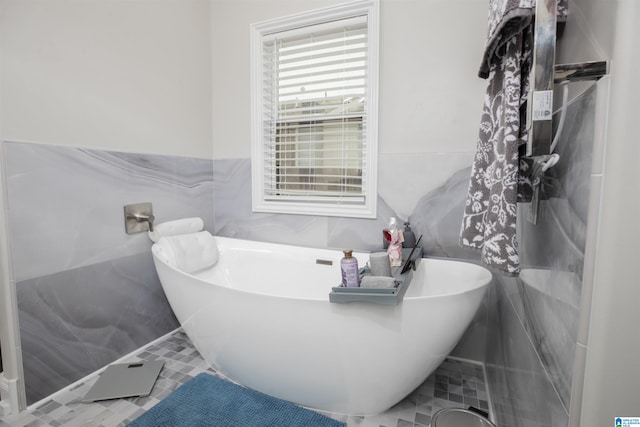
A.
x: 314, y: 112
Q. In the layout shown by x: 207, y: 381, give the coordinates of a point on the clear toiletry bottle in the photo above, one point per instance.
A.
x: 394, y: 236
x: 349, y: 268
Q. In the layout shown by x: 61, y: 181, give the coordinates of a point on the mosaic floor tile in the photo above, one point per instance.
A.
x: 455, y: 383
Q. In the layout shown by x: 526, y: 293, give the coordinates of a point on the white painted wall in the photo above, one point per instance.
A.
x: 163, y: 77
x: 430, y: 50
x: 130, y: 75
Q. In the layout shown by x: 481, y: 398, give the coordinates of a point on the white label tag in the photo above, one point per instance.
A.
x: 542, y: 105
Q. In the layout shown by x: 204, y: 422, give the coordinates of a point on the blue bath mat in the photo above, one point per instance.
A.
x: 207, y: 400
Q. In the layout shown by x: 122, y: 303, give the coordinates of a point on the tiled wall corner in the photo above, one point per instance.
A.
x: 88, y: 292
x: 539, y: 313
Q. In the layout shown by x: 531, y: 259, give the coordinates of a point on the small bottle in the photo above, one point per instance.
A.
x: 409, y: 236
x: 394, y: 236
x: 349, y: 268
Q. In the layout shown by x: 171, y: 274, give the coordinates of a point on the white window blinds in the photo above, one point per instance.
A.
x: 315, y: 146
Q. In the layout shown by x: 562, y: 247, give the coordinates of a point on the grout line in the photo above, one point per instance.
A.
x: 492, y: 413
x: 465, y: 360
x: 483, y: 365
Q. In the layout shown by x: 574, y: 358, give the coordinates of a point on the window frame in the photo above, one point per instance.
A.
x: 366, y: 209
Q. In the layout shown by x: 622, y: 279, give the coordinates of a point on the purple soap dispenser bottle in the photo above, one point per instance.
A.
x: 349, y: 268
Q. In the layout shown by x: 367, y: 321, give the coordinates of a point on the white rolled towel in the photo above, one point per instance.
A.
x: 176, y: 227
x: 189, y: 252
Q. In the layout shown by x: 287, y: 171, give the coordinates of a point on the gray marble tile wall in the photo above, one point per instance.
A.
x: 87, y: 292
x: 519, y: 385
x: 530, y: 356
x: 428, y: 189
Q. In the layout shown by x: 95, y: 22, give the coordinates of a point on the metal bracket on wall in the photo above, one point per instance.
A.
x: 540, y: 100
x: 138, y: 218
x: 576, y: 72
x: 544, y: 74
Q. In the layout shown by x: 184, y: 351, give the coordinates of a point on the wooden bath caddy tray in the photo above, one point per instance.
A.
x: 385, y: 296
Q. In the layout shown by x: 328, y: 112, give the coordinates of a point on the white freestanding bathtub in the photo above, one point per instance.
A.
x: 262, y: 317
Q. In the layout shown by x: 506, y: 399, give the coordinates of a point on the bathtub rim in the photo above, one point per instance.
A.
x: 479, y: 282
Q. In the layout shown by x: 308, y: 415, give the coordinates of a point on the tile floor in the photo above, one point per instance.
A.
x: 455, y: 383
